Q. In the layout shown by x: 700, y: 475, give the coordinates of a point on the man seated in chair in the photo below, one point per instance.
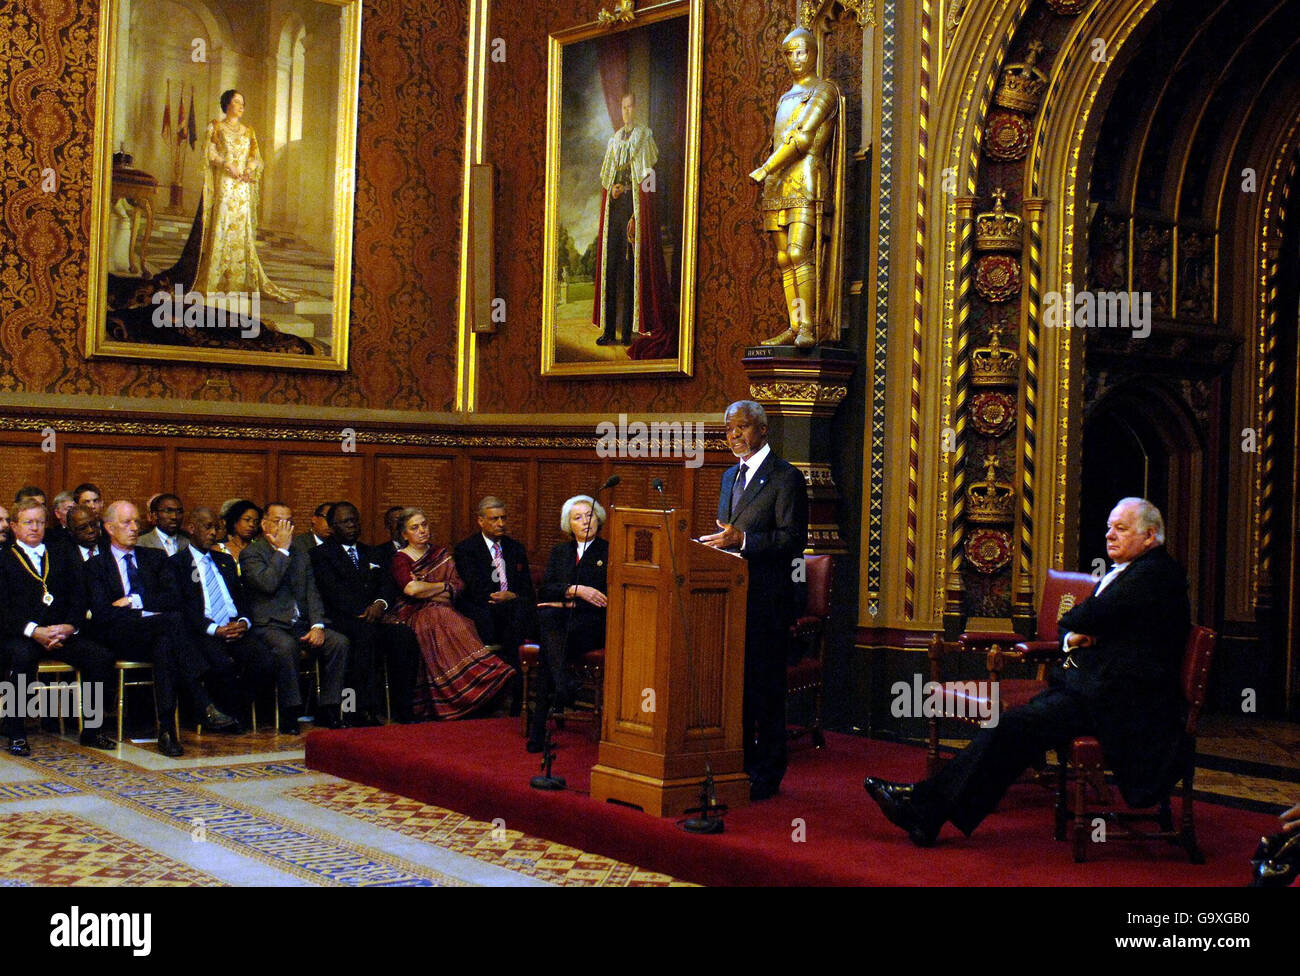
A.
x: 1119, y: 681
x: 136, y: 606
x: 289, y: 617
x: 216, y: 610
x: 43, y: 615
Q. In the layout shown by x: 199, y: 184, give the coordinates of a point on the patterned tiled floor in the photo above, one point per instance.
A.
x: 74, y: 816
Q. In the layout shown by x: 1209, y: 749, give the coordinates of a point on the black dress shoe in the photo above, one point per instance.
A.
x: 97, y: 740
x: 534, y: 745
x: 217, y: 720
x: 763, y: 790
x: 19, y: 747
x: 363, y: 720
x: 606, y: 341
x: 168, y: 745
x: 895, y: 802
x: 327, y: 717
x: 289, y: 729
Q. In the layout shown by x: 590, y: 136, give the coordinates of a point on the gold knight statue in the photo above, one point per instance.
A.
x: 799, y: 191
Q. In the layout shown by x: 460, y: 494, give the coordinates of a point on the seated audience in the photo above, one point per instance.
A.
x: 289, y: 617
x: 166, y: 513
x: 216, y: 609
x: 571, y: 618
x: 498, y: 595
x: 357, y: 591
x: 42, y: 614
x: 459, y: 675
x: 136, y: 608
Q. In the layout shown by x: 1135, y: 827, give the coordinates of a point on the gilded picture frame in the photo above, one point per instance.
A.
x: 622, y: 179
x: 223, y: 183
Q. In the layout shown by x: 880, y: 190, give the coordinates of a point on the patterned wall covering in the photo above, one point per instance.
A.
x: 409, y: 145
x: 738, y: 293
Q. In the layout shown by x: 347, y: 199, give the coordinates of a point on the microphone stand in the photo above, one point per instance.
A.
x: 710, y: 810
x: 546, y: 781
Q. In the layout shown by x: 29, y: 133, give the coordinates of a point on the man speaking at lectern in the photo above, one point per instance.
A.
x: 763, y: 516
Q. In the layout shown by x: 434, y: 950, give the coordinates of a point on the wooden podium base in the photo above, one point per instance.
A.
x: 664, y: 797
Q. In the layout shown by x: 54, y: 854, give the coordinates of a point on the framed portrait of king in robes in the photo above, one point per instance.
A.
x: 622, y: 153
x: 222, y: 207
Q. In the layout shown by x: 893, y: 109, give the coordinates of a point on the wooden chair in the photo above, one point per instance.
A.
x: 965, y: 700
x: 1083, y: 776
x: 803, y: 675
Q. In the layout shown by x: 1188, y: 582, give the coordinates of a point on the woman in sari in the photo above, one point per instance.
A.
x: 228, y: 260
x: 458, y: 674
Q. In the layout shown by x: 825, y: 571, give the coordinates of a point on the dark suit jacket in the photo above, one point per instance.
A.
x: 275, y: 582
x: 157, y: 580
x: 20, y: 592
x: 590, y: 572
x: 191, y: 589
x: 474, y: 564
x: 1130, y: 676
x: 773, y: 514
x: 348, y: 590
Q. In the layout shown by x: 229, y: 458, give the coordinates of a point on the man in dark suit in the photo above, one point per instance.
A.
x: 763, y: 516
x: 55, y: 533
x: 1119, y: 682
x: 216, y: 610
x: 575, y: 582
x: 289, y: 617
x: 85, y: 532
x: 43, y: 614
x: 6, y: 536
x: 137, y: 609
x: 499, y: 595
x: 356, y: 591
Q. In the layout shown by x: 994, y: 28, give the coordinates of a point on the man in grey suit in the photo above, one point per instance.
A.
x: 763, y: 516
x: 289, y: 617
x: 166, y: 513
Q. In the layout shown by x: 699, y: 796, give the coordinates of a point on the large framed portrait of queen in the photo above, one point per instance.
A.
x: 622, y: 155
x: 221, y: 217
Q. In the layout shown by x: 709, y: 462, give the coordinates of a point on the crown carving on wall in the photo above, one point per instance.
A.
x: 990, y: 500
x: 1023, y: 84
x: 622, y: 12
x: 992, y: 365
x: 997, y: 230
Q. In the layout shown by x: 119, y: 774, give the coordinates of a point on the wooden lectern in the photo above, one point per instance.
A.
x: 673, y: 698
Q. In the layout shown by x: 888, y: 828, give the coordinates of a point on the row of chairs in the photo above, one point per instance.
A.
x: 1083, y: 795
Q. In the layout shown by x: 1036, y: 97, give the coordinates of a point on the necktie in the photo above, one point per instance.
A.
x: 356, y: 560
x: 499, y: 567
x: 738, y: 488
x: 218, y: 596
x: 132, y: 574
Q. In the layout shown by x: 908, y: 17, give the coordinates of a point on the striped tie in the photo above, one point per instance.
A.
x: 222, y: 609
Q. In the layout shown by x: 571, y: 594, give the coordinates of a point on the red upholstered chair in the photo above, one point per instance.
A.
x: 1083, y: 796
x: 803, y: 676
x: 963, y: 699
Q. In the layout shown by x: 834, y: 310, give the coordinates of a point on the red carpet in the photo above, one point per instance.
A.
x: 821, y: 830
